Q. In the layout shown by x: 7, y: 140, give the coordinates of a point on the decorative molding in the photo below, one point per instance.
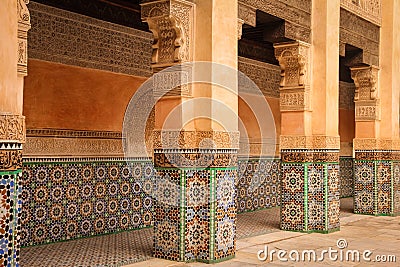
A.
x: 195, y: 139
x: 370, y: 10
x: 72, y: 133
x: 265, y: 76
x: 294, y: 60
x: 12, y: 128
x: 309, y: 142
x: 366, y: 97
x: 200, y: 159
x: 247, y: 14
x: 67, y: 147
x: 171, y: 22
x: 314, y: 156
x: 24, y: 24
x: 376, y: 144
x: 69, y: 38
x: 346, y: 95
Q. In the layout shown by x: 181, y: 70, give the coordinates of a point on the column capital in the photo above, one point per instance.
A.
x: 366, y: 98
x: 294, y: 60
x: 171, y: 22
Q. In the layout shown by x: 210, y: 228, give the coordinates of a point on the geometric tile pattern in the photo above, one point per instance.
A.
x: 310, y: 191
x: 258, y: 184
x: 195, y: 213
x: 9, y: 218
x: 68, y: 200
x: 376, y: 183
x: 346, y: 176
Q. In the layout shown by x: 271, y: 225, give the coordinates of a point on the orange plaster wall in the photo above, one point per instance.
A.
x: 59, y: 96
x: 346, y: 125
x: 249, y: 120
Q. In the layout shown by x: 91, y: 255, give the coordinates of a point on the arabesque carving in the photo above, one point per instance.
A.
x: 294, y: 60
x: 366, y: 97
x: 370, y: 10
x: 24, y: 24
x: 12, y: 128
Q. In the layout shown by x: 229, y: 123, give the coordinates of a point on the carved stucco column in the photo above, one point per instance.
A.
x: 15, y: 21
x: 309, y: 141
x: 195, y: 163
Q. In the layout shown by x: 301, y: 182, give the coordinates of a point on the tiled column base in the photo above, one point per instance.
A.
x: 376, y: 182
x: 310, y: 190
x: 195, y: 210
x: 10, y: 204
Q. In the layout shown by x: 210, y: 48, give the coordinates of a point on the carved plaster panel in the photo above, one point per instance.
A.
x: 12, y: 128
x: 265, y: 76
x: 195, y: 139
x: 294, y: 60
x: 376, y: 144
x: 309, y: 142
x: 370, y: 10
x: 73, y: 39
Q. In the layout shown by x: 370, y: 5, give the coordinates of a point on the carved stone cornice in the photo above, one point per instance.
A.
x: 294, y: 60
x: 366, y: 97
x: 171, y: 22
x: 24, y: 24
x: 370, y: 10
x: 376, y: 144
x: 12, y: 128
x: 195, y: 139
x: 309, y: 142
x: 247, y: 14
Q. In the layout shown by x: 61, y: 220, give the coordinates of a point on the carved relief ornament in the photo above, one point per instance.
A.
x: 12, y: 128
x: 171, y: 23
x: 24, y: 24
x: 293, y: 60
x: 366, y: 97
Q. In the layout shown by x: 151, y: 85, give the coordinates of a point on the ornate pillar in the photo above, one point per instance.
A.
x: 309, y: 140
x: 376, y: 144
x: 195, y: 159
x: 15, y: 21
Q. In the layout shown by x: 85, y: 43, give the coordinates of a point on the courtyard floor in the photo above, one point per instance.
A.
x: 254, y: 229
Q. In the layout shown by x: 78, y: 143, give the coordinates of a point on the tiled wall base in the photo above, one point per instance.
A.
x: 376, y: 185
x: 346, y: 176
x: 310, y: 190
x: 10, y: 208
x: 195, y: 211
x: 83, y: 197
x: 258, y: 184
